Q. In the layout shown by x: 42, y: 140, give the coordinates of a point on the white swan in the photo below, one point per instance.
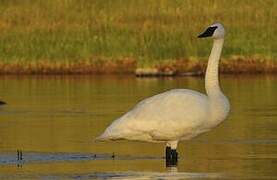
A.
x: 178, y: 114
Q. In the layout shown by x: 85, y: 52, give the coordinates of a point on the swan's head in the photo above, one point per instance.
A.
x: 216, y: 31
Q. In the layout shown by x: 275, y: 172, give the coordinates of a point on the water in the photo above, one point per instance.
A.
x: 53, y: 121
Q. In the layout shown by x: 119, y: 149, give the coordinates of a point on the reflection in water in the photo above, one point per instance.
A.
x: 54, y: 119
x: 126, y: 175
x: 38, y: 159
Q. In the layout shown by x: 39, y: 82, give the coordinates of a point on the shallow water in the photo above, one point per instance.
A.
x: 53, y: 121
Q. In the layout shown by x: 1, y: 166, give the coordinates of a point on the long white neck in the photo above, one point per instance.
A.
x: 211, y: 78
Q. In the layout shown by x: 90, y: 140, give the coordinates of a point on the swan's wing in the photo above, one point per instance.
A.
x: 171, y: 114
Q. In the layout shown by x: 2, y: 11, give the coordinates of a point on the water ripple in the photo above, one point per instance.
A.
x: 34, y: 157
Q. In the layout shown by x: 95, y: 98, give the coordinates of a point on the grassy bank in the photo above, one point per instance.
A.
x: 80, y: 36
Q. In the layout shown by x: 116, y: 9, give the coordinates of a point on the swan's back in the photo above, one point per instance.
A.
x: 175, y: 114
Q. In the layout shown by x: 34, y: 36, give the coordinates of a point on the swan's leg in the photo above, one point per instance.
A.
x: 168, y: 158
x: 174, y: 153
x: 171, y: 153
x: 167, y: 152
x: 174, y: 156
x: 168, y: 155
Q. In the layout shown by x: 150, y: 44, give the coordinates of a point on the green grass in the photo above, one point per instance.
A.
x: 149, y: 31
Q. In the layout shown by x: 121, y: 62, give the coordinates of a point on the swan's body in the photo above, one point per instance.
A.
x: 161, y: 118
x: 178, y: 114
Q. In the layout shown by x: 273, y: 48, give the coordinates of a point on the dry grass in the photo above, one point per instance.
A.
x: 235, y: 64
x: 98, y: 66
x: 60, y: 35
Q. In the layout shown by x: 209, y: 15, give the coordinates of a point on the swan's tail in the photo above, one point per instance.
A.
x: 106, y: 136
x: 102, y: 137
x: 110, y: 134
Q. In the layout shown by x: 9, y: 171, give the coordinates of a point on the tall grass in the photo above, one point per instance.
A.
x: 149, y: 31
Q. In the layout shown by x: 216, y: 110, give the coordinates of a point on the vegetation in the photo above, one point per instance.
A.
x: 83, y: 36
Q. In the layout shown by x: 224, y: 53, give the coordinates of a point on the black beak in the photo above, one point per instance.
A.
x: 208, y: 33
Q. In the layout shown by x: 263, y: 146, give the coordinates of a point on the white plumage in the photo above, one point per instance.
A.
x: 178, y: 114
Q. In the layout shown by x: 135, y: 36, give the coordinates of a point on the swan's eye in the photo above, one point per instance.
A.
x: 209, y: 32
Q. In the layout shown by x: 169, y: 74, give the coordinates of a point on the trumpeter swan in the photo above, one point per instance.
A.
x: 177, y: 114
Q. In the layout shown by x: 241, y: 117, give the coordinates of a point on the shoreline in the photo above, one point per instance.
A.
x: 129, y: 66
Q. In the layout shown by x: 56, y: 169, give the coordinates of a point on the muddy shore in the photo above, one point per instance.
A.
x: 130, y: 66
